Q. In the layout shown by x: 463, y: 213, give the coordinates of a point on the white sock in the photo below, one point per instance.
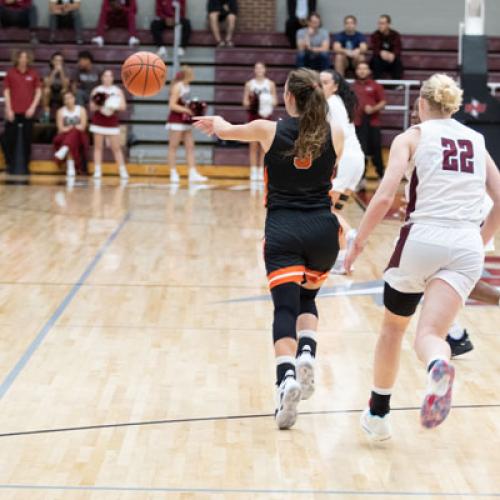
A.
x: 285, y: 359
x: 341, y: 256
x: 456, y: 331
x: 70, y: 167
x: 97, y: 168
x: 310, y: 334
x: 382, y: 392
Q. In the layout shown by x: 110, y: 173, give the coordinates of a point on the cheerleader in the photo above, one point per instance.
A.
x: 259, y: 99
x: 106, y: 101
x: 71, y: 141
x: 180, y: 124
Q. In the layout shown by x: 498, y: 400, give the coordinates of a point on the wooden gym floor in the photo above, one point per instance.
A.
x: 136, y: 360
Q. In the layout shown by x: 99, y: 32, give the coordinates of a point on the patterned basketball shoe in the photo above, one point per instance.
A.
x: 287, y: 398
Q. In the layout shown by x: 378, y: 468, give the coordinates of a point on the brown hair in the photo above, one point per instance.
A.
x: 304, y: 85
x: 16, y: 55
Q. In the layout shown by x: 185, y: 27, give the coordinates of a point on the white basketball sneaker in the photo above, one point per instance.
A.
x: 123, y: 172
x: 254, y: 173
x: 195, y: 176
x: 305, y: 372
x: 97, y: 172
x: 98, y: 40
x: 377, y: 428
x: 174, y: 176
x: 287, y: 399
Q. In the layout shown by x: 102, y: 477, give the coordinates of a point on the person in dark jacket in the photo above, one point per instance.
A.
x: 19, y: 13
x: 165, y: 19
x: 298, y: 13
x: 386, y: 47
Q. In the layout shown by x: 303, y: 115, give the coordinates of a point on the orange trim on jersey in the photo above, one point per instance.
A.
x: 291, y: 274
x: 266, y: 180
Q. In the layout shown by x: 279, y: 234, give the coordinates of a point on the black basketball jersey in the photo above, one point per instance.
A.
x: 297, y: 182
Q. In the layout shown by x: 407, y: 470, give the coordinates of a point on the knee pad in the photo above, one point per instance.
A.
x: 399, y: 303
x: 308, y: 301
x: 286, y: 299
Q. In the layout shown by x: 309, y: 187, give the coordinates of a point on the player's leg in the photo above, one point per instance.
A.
x: 231, y: 24
x: 116, y: 148
x: 213, y: 18
x: 441, y: 305
x: 399, y: 308
x: 254, y: 169
x: 174, y: 139
x: 194, y: 175
x: 98, y: 147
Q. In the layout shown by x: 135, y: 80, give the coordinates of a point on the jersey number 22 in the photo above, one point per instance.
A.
x: 458, y: 155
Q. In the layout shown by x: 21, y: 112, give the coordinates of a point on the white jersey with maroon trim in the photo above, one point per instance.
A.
x: 448, y: 175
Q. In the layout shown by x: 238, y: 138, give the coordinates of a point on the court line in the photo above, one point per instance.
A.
x: 241, y: 491
x: 218, y: 418
x: 42, y: 334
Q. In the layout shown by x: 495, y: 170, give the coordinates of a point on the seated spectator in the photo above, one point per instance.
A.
x: 22, y: 92
x: 65, y: 13
x: 386, y: 46
x: 55, y: 84
x: 85, y: 77
x: 19, y: 14
x: 71, y: 142
x: 298, y: 14
x: 117, y: 14
x: 349, y: 46
x: 313, y: 44
x: 371, y: 100
x: 165, y: 19
x: 220, y: 11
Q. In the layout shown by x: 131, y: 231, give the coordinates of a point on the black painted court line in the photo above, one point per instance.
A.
x: 242, y: 491
x: 219, y: 418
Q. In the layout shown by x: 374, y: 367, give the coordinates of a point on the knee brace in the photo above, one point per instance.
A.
x: 286, y: 299
x: 343, y: 198
x: 399, y: 303
x: 308, y: 301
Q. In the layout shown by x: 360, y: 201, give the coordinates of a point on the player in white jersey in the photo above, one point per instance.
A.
x: 342, y: 104
x: 440, y: 249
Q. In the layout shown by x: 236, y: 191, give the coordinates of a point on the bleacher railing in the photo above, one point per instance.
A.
x: 406, y: 107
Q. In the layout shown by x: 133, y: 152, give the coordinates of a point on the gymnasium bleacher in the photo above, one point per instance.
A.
x: 220, y: 75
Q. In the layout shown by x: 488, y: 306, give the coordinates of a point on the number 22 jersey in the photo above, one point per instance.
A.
x: 448, y: 175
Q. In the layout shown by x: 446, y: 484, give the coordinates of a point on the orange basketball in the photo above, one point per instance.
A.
x: 144, y: 74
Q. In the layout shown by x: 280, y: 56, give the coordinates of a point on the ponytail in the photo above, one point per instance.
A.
x: 304, y: 85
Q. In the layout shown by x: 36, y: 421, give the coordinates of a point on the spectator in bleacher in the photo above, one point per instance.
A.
x: 165, y: 19
x: 313, y: 45
x: 180, y: 125
x: 54, y: 85
x: 106, y: 102
x: 350, y: 46
x: 371, y: 101
x: 22, y: 93
x: 71, y: 142
x: 298, y: 14
x: 386, y: 47
x: 84, y: 78
x: 259, y: 98
x: 117, y: 14
x: 222, y: 11
x: 65, y: 13
x: 19, y: 14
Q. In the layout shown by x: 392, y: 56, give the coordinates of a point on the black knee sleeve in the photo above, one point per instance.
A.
x: 401, y: 304
x: 286, y: 299
x: 343, y: 198
x: 308, y: 301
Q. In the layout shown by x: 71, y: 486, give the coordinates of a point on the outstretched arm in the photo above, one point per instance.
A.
x: 262, y: 131
x: 401, y: 151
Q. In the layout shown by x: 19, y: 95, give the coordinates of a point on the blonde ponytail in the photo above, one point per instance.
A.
x: 443, y: 93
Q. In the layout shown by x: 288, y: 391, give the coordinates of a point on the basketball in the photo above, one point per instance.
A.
x: 144, y: 74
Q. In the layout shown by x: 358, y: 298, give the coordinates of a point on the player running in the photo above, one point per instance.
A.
x: 440, y: 250
x: 301, y: 233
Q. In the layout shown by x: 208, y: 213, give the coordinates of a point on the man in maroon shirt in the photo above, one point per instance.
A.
x: 386, y: 47
x: 371, y: 100
x: 117, y: 14
x: 19, y: 13
x: 22, y: 92
x: 165, y: 19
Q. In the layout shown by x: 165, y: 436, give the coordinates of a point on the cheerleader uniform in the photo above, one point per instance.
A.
x: 181, y: 122
x: 264, y: 96
x: 102, y: 123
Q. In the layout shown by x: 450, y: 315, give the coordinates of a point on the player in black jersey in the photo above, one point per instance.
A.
x: 301, y: 233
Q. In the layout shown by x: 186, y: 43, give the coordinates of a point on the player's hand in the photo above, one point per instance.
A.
x: 205, y: 124
x: 351, y: 257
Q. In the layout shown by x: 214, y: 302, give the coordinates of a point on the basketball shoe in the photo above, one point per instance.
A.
x: 460, y: 346
x: 305, y: 372
x: 376, y: 428
x: 287, y: 399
